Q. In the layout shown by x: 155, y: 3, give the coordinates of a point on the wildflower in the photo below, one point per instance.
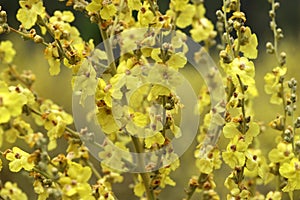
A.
x: 12, y: 191
x: 7, y: 52
x: 18, y: 160
x: 29, y: 11
x: 291, y: 171
x: 75, y: 181
x: 11, y: 103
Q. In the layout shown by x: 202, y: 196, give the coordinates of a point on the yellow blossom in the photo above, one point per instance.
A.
x: 18, y: 160
x: 7, y: 52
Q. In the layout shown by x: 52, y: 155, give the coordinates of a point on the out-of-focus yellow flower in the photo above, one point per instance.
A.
x: 274, y: 195
x: 202, y: 29
x: 273, y: 86
x: 65, y: 16
x: 7, y: 52
x: 11, y: 103
x: 12, y: 191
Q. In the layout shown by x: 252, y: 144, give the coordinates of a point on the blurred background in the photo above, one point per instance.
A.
x: 58, y: 88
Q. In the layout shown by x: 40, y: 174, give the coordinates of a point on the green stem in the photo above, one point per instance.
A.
x: 145, y: 176
x: 283, y: 105
x: 201, y: 179
x: 227, y: 32
x: 238, y: 2
x: 153, y: 6
x: 16, y: 75
x: 244, y: 130
x: 44, y: 174
x: 71, y: 131
x: 108, y: 49
x: 95, y: 171
x: 236, y: 54
x: 273, y: 21
x: 25, y: 35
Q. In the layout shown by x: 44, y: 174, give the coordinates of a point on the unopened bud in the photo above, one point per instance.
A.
x: 38, y: 39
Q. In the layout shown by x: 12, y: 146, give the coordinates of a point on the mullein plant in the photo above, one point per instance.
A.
x: 149, y: 121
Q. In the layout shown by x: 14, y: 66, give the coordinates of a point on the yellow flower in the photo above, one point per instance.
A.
x: 185, y: 17
x: 248, y: 43
x: 158, y: 138
x: 209, y: 162
x: 75, y: 182
x: 177, y: 60
x: 7, y: 52
x: 65, y: 16
x: 245, y: 69
x: 52, y: 55
x: 273, y: 86
x: 54, y: 119
x: 11, y: 103
x: 108, y: 11
x: 134, y: 4
x: 139, y: 187
x: 282, y: 153
x: 29, y: 11
x: 94, y: 6
x: 12, y: 191
x: 145, y: 15
x: 235, y: 152
x: 291, y: 171
x: 202, y: 29
x: 274, y: 195
x: 18, y: 160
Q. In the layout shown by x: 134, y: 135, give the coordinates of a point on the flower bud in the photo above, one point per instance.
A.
x: 38, y: 39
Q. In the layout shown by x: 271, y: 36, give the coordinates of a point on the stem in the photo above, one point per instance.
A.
x: 42, y: 173
x: 90, y: 164
x: 273, y: 21
x: 71, y: 131
x: 145, y: 176
x: 116, y: 20
x: 243, y: 106
x: 226, y: 30
x: 283, y: 104
x: 238, y: 2
x: 25, y: 35
x: 18, y: 77
x: 201, y: 179
x: 153, y: 6
x: 236, y: 54
x: 108, y: 49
